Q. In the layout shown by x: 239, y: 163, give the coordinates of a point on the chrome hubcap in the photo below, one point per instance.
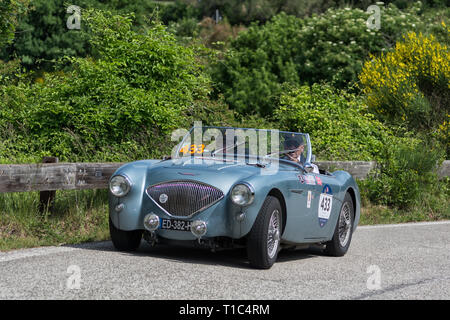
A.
x: 345, y: 226
x: 273, y: 237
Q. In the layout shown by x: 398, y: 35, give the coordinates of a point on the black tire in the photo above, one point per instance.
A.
x: 124, y: 240
x: 260, y: 252
x: 338, y: 246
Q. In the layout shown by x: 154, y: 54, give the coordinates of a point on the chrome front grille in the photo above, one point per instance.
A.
x: 184, y: 198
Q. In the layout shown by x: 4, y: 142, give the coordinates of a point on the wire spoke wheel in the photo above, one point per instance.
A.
x: 264, y: 239
x: 344, y: 228
x: 273, y: 235
x: 339, y: 244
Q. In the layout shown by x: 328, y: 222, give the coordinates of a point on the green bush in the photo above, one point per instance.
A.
x: 120, y: 106
x: 176, y: 11
x: 338, y: 122
x: 259, y: 61
x: 331, y: 47
x: 342, y: 128
x: 406, y: 178
x: 10, y: 11
x: 247, y: 11
x: 411, y: 85
x: 42, y: 36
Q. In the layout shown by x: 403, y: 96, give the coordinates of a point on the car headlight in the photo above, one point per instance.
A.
x: 119, y: 186
x: 242, y: 194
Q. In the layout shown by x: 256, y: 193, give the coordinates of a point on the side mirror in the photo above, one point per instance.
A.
x: 313, y: 158
x: 308, y: 167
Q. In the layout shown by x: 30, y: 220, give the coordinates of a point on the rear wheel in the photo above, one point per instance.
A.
x: 263, y: 242
x: 339, y: 244
x: 124, y: 240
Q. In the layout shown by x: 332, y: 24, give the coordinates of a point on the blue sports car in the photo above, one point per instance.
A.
x: 226, y: 187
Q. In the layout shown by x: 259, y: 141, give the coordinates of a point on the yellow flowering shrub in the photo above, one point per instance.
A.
x: 411, y: 84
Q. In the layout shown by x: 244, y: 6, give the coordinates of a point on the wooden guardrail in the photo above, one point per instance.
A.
x: 78, y: 176
x: 47, y: 177
x: 55, y: 176
x: 358, y: 169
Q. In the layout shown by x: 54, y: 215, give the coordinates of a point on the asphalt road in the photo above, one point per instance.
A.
x: 407, y: 261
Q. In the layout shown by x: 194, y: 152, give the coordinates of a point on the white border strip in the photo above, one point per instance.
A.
x: 45, y: 251
x: 30, y: 253
x: 399, y: 225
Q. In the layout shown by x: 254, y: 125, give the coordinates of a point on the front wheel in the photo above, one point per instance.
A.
x: 339, y: 244
x: 124, y: 240
x: 263, y: 242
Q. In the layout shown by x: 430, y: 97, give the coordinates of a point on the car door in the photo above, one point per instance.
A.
x: 325, y: 206
x: 300, y: 197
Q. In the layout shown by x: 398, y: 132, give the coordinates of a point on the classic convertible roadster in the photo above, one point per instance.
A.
x: 227, y: 187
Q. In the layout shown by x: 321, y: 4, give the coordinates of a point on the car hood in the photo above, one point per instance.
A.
x: 217, y: 173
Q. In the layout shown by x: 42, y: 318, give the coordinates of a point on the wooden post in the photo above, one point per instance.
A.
x: 46, y: 198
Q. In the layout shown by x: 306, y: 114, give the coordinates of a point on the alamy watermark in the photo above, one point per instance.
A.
x: 374, y: 280
x: 74, y: 20
x: 374, y: 20
x: 74, y: 280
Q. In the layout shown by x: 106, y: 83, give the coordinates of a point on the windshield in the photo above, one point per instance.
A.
x: 244, y: 144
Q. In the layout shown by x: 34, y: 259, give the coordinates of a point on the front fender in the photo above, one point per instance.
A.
x: 129, y: 217
x: 262, y: 190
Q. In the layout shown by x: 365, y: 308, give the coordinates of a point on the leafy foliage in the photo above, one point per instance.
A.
x: 260, y: 60
x: 247, y: 11
x: 331, y: 47
x: 406, y: 177
x: 43, y: 37
x: 10, y: 10
x: 411, y: 85
x: 121, y: 105
x: 208, y: 32
x: 338, y: 122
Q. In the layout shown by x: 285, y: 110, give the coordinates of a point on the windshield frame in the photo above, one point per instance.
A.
x: 223, y: 155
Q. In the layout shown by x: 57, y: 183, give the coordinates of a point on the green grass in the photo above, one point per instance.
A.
x: 376, y: 214
x: 78, y: 216
x: 431, y: 204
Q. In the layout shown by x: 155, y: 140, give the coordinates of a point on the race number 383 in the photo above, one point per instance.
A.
x: 325, y: 204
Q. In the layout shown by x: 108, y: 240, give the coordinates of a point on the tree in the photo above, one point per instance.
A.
x: 411, y: 85
x: 10, y: 10
x: 338, y: 122
x: 121, y: 105
x: 43, y: 36
x: 331, y: 47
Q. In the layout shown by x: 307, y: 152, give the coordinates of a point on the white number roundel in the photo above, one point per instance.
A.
x: 325, y: 204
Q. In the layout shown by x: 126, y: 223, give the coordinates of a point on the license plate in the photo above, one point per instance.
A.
x: 173, y: 224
